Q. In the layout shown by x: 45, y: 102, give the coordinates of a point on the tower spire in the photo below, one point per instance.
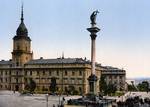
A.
x: 22, y: 13
x: 22, y: 30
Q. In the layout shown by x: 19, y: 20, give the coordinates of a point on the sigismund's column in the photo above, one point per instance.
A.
x: 93, y: 30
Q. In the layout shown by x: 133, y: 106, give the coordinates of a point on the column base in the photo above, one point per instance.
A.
x: 93, y: 84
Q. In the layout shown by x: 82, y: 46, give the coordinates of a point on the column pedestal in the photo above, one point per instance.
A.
x: 92, y: 84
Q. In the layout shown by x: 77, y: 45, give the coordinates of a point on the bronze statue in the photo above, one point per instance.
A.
x: 93, y: 17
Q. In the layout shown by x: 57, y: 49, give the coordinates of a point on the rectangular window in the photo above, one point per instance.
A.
x: 37, y: 73
x: 5, y: 72
x: 66, y: 73
x: 50, y: 73
x: 73, y: 73
x: 16, y: 80
x: 25, y: 73
x: 57, y: 73
x: 30, y: 72
x: 80, y: 73
x: 120, y: 77
x: 43, y: 72
x: 6, y: 79
x: 1, y: 79
x: 16, y: 72
x: 72, y: 80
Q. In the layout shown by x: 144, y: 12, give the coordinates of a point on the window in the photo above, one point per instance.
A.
x: 1, y: 79
x: 16, y: 80
x: 120, y: 77
x: 9, y: 72
x: 17, y: 63
x: 26, y: 58
x: 30, y: 72
x: 18, y: 47
x: 66, y: 89
x: 1, y: 72
x: 50, y: 73
x: 16, y: 72
x: 66, y: 73
x: 6, y: 79
x: 10, y: 80
x: 5, y: 72
x: 43, y: 72
x: 37, y: 73
x: 80, y: 89
x: 25, y: 79
x: 65, y: 80
x: 80, y: 73
x: 73, y: 73
x: 25, y: 73
x: 72, y: 80
x: 110, y: 77
x: 79, y: 80
x: 57, y: 73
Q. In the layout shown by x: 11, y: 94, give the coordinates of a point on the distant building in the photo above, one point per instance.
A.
x: 70, y: 73
x: 114, y: 76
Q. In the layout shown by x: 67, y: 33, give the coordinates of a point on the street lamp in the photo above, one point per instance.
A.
x: 46, y: 100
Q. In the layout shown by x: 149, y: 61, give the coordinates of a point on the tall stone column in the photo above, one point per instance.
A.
x: 93, y: 30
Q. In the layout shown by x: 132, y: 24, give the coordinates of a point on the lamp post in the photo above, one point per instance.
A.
x: 46, y: 100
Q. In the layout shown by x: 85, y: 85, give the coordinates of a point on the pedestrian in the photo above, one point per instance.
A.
x: 63, y: 99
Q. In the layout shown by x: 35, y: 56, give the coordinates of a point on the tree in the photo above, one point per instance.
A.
x: 53, y: 85
x: 144, y: 86
x: 30, y: 86
x: 132, y: 87
x: 111, y: 88
x: 103, y: 85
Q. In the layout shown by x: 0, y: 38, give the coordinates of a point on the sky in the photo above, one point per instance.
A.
x: 57, y: 26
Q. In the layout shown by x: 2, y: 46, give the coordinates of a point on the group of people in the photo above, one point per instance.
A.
x: 135, y: 102
x: 62, y: 103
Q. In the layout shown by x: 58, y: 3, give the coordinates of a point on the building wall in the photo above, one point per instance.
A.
x: 67, y: 75
x: 116, y: 77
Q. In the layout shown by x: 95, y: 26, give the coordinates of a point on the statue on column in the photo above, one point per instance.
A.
x: 93, y: 17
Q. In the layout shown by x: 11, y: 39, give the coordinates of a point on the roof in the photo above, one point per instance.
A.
x: 3, y: 62
x: 58, y: 61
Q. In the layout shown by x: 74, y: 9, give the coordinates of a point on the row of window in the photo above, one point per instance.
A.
x: 115, y: 77
x: 9, y: 72
x: 43, y: 72
x: 50, y: 73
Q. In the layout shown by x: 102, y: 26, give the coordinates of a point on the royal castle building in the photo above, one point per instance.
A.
x: 70, y: 73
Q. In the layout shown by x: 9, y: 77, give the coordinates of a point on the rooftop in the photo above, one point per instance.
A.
x: 58, y: 61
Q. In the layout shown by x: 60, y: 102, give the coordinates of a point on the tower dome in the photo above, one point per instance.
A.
x: 22, y: 30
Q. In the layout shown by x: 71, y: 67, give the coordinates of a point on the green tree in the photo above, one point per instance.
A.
x: 103, y: 85
x: 53, y: 85
x: 144, y: 86
x: 106, y: 88
x: 32, y: 85
x: 111, y: 88
x: 131, y: 88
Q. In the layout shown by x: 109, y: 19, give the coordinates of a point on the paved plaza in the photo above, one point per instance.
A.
x: 10, y: 99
